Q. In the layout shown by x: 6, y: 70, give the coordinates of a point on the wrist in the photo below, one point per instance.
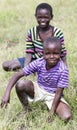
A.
x: 51, y: 112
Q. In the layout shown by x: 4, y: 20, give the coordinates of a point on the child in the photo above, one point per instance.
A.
x: 35, y: 38
x: 52, y: 79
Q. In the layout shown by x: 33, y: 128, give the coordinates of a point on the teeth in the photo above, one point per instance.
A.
x: 42, y: 23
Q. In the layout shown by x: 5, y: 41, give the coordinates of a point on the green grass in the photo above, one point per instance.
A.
x: 16, y: 17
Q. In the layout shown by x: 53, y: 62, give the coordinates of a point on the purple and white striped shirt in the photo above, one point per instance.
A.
x: 48, y: 79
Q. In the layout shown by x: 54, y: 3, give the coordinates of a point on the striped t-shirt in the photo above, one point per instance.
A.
x: 34, y: 44
x: 48, y: 79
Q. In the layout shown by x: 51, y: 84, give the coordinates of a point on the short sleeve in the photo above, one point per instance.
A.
x: 59, y: 34
x: 29, y: 43
x: 31, y: 67
x: 63, y: 79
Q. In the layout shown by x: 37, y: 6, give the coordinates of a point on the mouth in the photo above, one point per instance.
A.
x: 52, y: 61
x: 42, y: 23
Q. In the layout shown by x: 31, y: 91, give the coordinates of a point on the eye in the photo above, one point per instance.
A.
x: 57, y: 53
x: 47, y: 53
x: 42, y: 17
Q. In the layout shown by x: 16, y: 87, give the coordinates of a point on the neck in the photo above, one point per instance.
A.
x: 44, y: 29
x: 48, y: 67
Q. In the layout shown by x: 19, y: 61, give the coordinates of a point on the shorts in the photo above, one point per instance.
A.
x: 42, y: 95
x: 22, y: 61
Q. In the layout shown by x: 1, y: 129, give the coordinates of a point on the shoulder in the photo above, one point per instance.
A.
x: 40, y: 61
x: 33, y: 28
x: 62, y: 66
x: 32, y: 32
x: 57, y: 30
x: 58, y: 33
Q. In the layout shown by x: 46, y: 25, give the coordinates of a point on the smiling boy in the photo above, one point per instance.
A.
x: 51, y: 81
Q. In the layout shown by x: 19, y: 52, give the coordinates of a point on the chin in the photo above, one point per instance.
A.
x: 52, y: 64
x: 43, y: 26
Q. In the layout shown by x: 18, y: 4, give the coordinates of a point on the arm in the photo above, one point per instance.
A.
x: 12, y: 82
x: 55, y: 103
x: 63, y: 83
x: 28, y: 59
x: 29, y: 48
x: 59, y: 34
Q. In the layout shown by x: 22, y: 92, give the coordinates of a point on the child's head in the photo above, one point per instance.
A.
x: 52, y: 51
x: 44, y: 14
x: 44, y: 6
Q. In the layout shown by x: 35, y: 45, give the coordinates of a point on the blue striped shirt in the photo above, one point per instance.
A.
x: 48, y: 79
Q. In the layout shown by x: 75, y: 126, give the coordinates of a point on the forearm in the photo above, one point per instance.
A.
x: 12, y: 82
x: 6, y: 98
x: 28, y: 59
x: 56, y: 101
x: 54, y: 105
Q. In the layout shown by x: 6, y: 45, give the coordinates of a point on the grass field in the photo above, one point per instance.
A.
x: 16, y: 17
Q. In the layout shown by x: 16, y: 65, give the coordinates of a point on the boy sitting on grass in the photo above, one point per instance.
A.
x: 35, y: 37
x: 51, y: 81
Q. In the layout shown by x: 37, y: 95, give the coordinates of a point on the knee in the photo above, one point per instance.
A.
x: 67, y: 117
x: 19, y: 85
x: 5, y: 66
x: 64, y: 111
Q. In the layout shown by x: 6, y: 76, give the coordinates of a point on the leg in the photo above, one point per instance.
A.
x: 11, y: 65
x: 63, y: 111
x: 24, y: 88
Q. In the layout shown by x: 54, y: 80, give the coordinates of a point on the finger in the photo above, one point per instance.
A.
x: 2, y: 104
x: 6, y: 105
x: 49, y: 119
x: 9, y: 101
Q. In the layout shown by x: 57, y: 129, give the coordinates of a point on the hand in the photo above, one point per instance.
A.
x: 50, y: 117
x: 4, y: 102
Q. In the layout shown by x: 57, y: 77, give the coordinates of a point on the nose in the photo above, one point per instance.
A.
x: 42, y: 20
x: 51, y: 55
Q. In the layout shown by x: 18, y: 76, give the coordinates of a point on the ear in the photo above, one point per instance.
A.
x: 35, y: 15
x: 51, y: 17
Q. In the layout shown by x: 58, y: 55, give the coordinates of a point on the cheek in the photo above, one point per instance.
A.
x: 37, y: 20
x: 58, y: 57
x: 45, y: 57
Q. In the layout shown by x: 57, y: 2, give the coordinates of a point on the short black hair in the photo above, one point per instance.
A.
x: 52, y: 40
x: 44, y: 6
